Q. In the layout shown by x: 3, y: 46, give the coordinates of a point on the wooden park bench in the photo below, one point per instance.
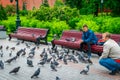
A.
x: 30, y: 34
x: 71, y: 39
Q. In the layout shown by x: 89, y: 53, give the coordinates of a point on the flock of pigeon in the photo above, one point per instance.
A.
x: 50, y: 56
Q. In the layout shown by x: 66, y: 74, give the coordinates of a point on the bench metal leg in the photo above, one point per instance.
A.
x: 53, y: 45
x: 9, y: 37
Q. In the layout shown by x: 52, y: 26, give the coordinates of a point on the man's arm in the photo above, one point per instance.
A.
x: 89, y: 37
x: 106, y: 51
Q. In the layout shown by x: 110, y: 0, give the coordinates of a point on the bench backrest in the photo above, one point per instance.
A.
x: 78, y: 35
x: 116, y: 37
x: 71, y: 34
x: 36, y: 31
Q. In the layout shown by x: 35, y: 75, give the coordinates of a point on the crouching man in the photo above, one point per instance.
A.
x: 111, y: 54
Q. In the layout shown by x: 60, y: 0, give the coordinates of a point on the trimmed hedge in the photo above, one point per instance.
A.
x: 97, y: 24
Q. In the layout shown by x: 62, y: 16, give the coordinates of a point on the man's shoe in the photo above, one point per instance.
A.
x: 113, y: 72
x: 90, y: 62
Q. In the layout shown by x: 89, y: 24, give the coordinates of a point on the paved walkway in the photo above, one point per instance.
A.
x: 66, y: 72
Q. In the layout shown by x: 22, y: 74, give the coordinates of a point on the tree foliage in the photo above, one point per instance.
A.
x: 114, y: 5
x: 10, y: 9
x: 74, y: 3
x: 45, y: 3
x: 3, y: 15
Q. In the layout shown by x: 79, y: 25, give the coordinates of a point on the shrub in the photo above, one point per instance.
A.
x: 72, y: 22
x: 91, y: 24
x: 48, y: 13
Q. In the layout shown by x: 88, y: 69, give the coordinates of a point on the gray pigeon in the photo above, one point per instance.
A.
x: 30, y: 63
x: 57, y: 78
x: 31, y: 54
x: 24, y: 52
x: 1, y: 54
x: 85, y: 70
x: 65, y: 60
x: 11, y: 59
x: 42, y: 62
x: 27, y: 45
x: 1, y: 64
x: 19, y: 52
x: 49, y: 59
x: 15, y: 70
x: 13, y: 48
x: 81, y: 58
x: 8, y: 61
x: 33, y: 49
x: 37, y: 72
x: 18, y: 43
x: 1, y: 47
x: 10, y: 54
x: 53, y: 67
x: 7, y: 47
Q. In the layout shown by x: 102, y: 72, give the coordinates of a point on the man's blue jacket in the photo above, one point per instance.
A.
x: 89, y: 36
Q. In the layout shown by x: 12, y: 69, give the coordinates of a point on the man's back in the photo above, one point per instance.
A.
x: 113, y: 47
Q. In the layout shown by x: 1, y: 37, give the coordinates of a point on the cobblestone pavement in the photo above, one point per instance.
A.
x: 65, y: 72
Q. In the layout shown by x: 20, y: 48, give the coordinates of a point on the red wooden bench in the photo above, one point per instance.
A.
x: 30, y: 34
x: 67, y: 36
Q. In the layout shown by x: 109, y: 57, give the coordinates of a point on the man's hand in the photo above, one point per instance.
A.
x: 81, y: 41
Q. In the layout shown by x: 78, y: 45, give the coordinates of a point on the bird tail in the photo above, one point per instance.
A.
x: 81, y: 72
x: 10, y: 72
x: 32, y: 76
x: 55, y: 69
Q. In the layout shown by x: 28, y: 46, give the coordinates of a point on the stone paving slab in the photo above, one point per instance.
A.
x: 65, y: 72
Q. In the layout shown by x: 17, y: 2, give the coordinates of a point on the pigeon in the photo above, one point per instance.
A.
x: 43, y: 52
x: 53, y: 67
x: 1, y: 64
x: 8, y: 61
x: 55, y: 62
x: 60, y: 57
x: 24, y: 53
x: 48, y: 60
x: 66, y: 51
x: 10, y: 54
x: 27, y: 45
x: 31, y: 54
x: 65, y: 60
x: 48, y: 49
x: 11, y: 59
x: 57, y: 78
x: 1, y: 47
x: 81, y: 58
x: 30, y: 63
x: 37, y: 72
x: 15, y: 70
x: 18, y: 43
x: 55, y: 49
x: 19, y: 52
x: 85, y: 70
x: 74, y: 59
x: 7, y: 47
x: 33, y: 49
x: 13, y: 48
x: 14, y: 58
x: 1, y: 54
x: 42, y: 62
